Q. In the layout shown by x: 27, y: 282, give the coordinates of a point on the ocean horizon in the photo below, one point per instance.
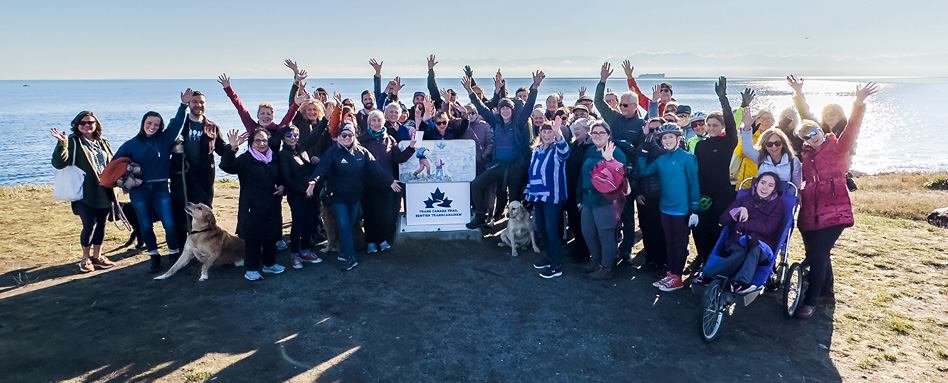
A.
x: 901, y: 132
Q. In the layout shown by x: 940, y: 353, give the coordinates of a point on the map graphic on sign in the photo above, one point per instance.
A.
x: 439, y: 161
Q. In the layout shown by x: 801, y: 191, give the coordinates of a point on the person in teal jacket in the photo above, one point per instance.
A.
x: 599, y: 218
x: 678, y: 175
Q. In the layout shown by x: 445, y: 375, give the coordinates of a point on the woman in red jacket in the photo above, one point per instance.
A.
x: 825, y: 208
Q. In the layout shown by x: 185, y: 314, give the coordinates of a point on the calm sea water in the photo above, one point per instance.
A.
x: 903, y: 129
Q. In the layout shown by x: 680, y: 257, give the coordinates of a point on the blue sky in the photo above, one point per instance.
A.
x: 250, y: 39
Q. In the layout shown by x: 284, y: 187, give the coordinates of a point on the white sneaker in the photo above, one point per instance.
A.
x: 296, y: 262
x: 275, y: 269
x: 252, y: 276
x: 281, y: 245
x: 384, y: 246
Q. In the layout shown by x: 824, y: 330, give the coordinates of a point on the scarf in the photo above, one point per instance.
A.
x: 378, y: 135
x: 262, y: 157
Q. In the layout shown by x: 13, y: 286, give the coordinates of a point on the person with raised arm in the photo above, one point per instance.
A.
x: 662, y: 98
x: 648, y: 192
x: 771, y: 153
x: 380, y: 205
x: 312, y: 116
x: 511, y: 146
x: 347, y: 168
x: 88, y: 150
x: 600, y: 217
x: 259, y: 210
x: 825, y: 207
x: 296, y: 164
x: 547, y: 190
x: 264, y: 112
x: 151, y: 149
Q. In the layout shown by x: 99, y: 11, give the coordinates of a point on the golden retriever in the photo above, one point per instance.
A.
x: 207, y: 243
x: 520, y: 230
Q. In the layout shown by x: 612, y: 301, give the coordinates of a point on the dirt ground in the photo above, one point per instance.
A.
x: 426, y: 311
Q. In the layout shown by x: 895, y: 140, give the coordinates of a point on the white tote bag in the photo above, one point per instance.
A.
x: 68, y: 181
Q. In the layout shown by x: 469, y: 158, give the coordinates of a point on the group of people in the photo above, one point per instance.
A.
x: 596, y: 160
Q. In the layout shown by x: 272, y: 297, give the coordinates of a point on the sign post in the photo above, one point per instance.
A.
x: 438, y: 186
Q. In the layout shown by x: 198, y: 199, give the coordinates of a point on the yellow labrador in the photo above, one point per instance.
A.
x: 520, y: 231
x: 207, y: 243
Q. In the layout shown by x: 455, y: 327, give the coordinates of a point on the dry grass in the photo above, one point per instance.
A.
x: 899, y: 195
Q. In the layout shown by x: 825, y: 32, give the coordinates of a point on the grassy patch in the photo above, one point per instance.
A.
x: 197, y: 376
x: 938, y: 184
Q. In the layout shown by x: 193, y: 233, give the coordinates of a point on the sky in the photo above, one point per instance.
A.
x: 134, y: 39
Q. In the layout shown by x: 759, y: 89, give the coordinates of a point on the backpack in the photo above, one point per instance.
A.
x: 609, y: 178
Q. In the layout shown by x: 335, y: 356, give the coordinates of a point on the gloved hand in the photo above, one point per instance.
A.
x: 693, y: 220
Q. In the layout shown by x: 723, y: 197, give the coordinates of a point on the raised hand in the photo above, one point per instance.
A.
x: 398, y: 85
x: 582, y: 91
x: 466, y: 82
x: 377, y: 66
x: 656, y: 93
x: 796, y: 83
x: 431, y: 62
x: 747, y: 121
x: 58, y: 135
x: 538, y: 77
x: 468, y: 71
x: 720, y: 88
x: 498, y: 80
x: 747, y: 96
x: 608, y: 151
x: 330, y: 108
x: 628, y: 68
x: 389, y: 87
x: 444, y: 95
x: 186, y: 96
x: 300, y: 76
x: 865, y: 91
x: 301, y: 94
x: 557, y: 127
x: 429, y: 108
x: 224, y: 80
x: 605, y: 72
x: 210, y: 130
x: 338, y: 97
x: 234, y: 139
x: 292, y: 65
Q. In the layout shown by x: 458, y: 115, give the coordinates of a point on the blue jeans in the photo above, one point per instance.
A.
x: 154, y: 196
x: 548, y: 217
x: 347, y: 214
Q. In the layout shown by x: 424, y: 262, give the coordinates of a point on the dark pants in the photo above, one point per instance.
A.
x: 516, y: 176
x: 378, y: 214
x: 676, y: 242
x: 304, y: 212
x: 347, y: 214
x: 93, y: 223
x: 818, y: 245
x: 155, y: 196
x: 740, y: 263
x: 599, y: 230
x: 653, y: 234
x: 257, y: 251
x: 548, y: 219
x: 706, y: 234
x: 574, y: 219
x: 628, y: 225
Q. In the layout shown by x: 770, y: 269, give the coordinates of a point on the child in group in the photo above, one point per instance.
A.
x: 755, y: 220
x: 678, y: 175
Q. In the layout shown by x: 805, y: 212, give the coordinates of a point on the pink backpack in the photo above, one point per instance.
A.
x: 608, y: 177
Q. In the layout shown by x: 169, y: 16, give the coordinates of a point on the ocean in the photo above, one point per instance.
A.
x: 902, y: 130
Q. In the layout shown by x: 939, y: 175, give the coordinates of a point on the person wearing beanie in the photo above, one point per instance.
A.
x: 511, y: 147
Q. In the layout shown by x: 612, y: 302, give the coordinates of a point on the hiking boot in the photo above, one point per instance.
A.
x: 542, y: 264
x: 662, y: 281
x: 86, y: 266
x: 310, y: 258
x: 350, y: 264
x: 281, y: 245
x: 477, y: 222
x: 551, y: 272
x: 384, y: 246
x: 155, y: 263
x: 805, y: 311
x: 672, y: 283
x: 253, y: 276
x: 296, y: 262
x: 275, y: 269
x: 372, y: 249
x: 590, y: 266
x: 600, y: 274
x: 102, y: 263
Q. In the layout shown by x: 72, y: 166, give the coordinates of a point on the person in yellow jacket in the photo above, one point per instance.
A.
x: 763, y: 120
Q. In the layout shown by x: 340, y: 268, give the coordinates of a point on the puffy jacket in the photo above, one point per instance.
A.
x: 824, y: 197
x: 748, y: 168
x: 259, y: 214
x: 678, y: 172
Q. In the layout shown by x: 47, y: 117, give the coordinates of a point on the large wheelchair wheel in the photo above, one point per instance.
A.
x: 793, y: 289
x: 712, y: 310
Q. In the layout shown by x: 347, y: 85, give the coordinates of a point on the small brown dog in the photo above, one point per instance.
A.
x: 207, y: 243
x: 520, y: 230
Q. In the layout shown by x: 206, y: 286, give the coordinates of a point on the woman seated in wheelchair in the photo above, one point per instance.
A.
x: 756, y: 220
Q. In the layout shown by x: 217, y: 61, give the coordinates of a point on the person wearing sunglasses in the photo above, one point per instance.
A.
x: 380, y: 205
x: 772, y: 153
x: 661, y: 96
x: 264, y: 110
x: 296, y: 164
x: 698, y: 127
x: 151, y: 149
x: 90, y: 152
x: 479, y: 131
x: 825, y: 207
x: 347, y: 168
x: 445, y: 128
x: 259, y: 210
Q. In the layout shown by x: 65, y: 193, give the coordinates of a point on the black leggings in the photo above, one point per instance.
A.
x: 93, y: 223
x: 257, y: 251
x: 818, y: 245
x: 379, y: 215
x: 516, y: 174
x: 305, y: 212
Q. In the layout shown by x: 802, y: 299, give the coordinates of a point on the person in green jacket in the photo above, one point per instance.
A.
x: 678, y: 174
x: 599, y: 218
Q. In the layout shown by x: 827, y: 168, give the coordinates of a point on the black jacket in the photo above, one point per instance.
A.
x: 259, y: 214
x: 347, y: 171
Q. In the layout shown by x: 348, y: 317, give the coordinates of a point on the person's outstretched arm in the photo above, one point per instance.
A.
x: 599, y: 99
x: 433, y: 84
x: 798, y: 99
x: 847, y: 139
x: 633, y: 86
x: 482, y: 109
x: 730, y: 128
x: 249, y: 123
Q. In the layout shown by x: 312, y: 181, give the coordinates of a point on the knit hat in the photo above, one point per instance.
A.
x: 505, y: 102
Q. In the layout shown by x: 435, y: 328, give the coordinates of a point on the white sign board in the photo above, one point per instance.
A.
x: 437, y: 203
x: 439, y: 161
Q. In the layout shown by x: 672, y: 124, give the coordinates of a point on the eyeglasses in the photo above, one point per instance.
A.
x: 260, y: 141
x: 289, y: 135
x: 441, y: 123
x: 599, y: 133
x: 666, y: 90
x: 346, y: 135
x: 811, y: 134
x: 652, y: 130
x: 771, y: 144
x: 81, y: 123
x: 625, y: 105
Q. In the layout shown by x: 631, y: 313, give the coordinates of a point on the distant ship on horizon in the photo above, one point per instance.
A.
x: 652, y: 75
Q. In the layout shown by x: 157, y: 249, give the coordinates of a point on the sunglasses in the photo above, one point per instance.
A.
x: 811, y: 134
x: 665, y: 90
x: 81, y: 123
x: 625, y: 105
x: 441, y: 123
x: 652, y: 130
x: 771, y: 144
x: 289, y: 135
x: 347, y: 135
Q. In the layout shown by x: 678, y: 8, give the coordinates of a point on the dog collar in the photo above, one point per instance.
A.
x: 199, y: 231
